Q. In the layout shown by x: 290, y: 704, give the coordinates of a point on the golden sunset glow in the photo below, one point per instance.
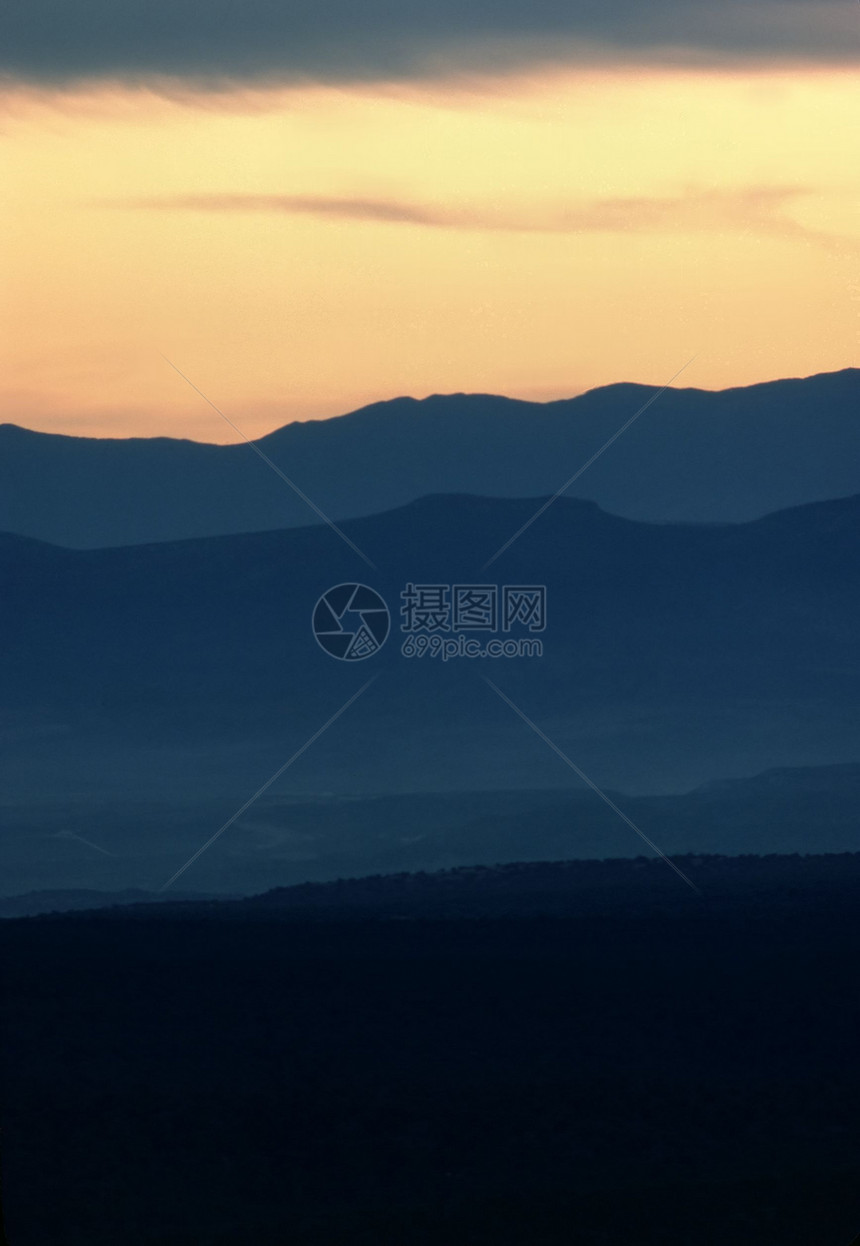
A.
x: 300, y: 252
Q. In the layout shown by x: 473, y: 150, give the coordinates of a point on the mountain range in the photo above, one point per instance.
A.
x: 691, y: 456
x: 152, y: 689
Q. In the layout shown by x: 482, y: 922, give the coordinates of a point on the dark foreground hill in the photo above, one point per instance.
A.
x: 694, y: 455
x: 638, y: 1072
x: 701, y: 884
x: 557, y: 889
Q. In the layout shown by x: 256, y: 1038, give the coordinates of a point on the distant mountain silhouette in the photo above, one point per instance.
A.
x: 694, y: 456
x: 187, y: 672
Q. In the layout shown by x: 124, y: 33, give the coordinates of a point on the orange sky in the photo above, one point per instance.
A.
x: 300, y: 252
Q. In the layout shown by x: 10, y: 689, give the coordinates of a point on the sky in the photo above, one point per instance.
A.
x: 305, y: 208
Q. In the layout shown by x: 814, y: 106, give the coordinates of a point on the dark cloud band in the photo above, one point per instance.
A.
x: 261, y: 41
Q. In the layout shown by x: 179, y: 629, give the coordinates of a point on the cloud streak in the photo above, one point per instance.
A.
x: 262, y: 41
x: 759, y: 210
x: 375, y: 210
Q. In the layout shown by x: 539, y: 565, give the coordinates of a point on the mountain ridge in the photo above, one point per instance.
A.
x: 835, y: 507
x: 694, y: 456
x: 410, y: 401
x: 673, y: 654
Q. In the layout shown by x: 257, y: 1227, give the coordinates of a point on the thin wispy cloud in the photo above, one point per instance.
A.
x: 377, y: 40
x: 379, y: 210
x: 759, y: 210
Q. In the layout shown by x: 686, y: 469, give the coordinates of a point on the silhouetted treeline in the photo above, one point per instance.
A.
x: 523, y: 889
